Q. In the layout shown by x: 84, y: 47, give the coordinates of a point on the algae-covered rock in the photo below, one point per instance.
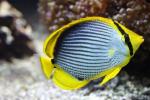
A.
x: 59, y: 12
x: 134, y: 14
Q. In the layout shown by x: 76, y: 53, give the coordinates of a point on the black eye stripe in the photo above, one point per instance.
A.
x: 126, y: 36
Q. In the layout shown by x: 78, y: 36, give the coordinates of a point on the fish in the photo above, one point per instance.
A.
x: 88, y: 49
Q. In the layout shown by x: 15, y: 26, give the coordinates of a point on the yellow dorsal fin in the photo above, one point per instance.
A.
x: 110, y: 75
x: 47, y: 66
x: 66, y: 81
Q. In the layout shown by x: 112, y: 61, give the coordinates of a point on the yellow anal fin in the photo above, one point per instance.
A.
x: 110, y: 75
x: 47, y: 66
x: 66, y: 81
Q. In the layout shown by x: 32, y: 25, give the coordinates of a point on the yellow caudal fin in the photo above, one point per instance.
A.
x: 47, y: 66
x: 110, y: 75
x: 66, y: 81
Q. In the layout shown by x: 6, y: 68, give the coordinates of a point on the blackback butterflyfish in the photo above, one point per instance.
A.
x: 87, y: 49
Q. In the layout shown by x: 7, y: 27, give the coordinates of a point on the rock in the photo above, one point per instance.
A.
x: 68, y: 10
x: 143, y: 96
x: 15, y: 33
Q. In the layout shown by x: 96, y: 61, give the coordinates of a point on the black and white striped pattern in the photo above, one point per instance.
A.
x: 83, y: 49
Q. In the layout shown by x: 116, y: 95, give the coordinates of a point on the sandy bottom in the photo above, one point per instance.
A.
x: 23, y: 80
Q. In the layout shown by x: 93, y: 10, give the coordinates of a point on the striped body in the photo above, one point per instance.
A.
x: 88, y: 48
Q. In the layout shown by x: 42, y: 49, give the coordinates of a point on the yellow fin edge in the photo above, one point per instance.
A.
x: 47, y: 66
x: 66, y: 81
x: 110, y: 76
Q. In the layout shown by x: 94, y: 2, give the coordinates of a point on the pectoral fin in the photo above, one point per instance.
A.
x: 110, y: 75
x: 47, y: 66
x: 66, y: 81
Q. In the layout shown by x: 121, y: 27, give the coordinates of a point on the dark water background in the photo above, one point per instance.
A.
x: 29, y: 10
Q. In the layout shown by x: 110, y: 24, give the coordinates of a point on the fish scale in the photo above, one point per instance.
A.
x: 83, y: 50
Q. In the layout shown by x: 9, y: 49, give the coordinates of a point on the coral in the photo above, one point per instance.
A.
x: 57, y: 12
